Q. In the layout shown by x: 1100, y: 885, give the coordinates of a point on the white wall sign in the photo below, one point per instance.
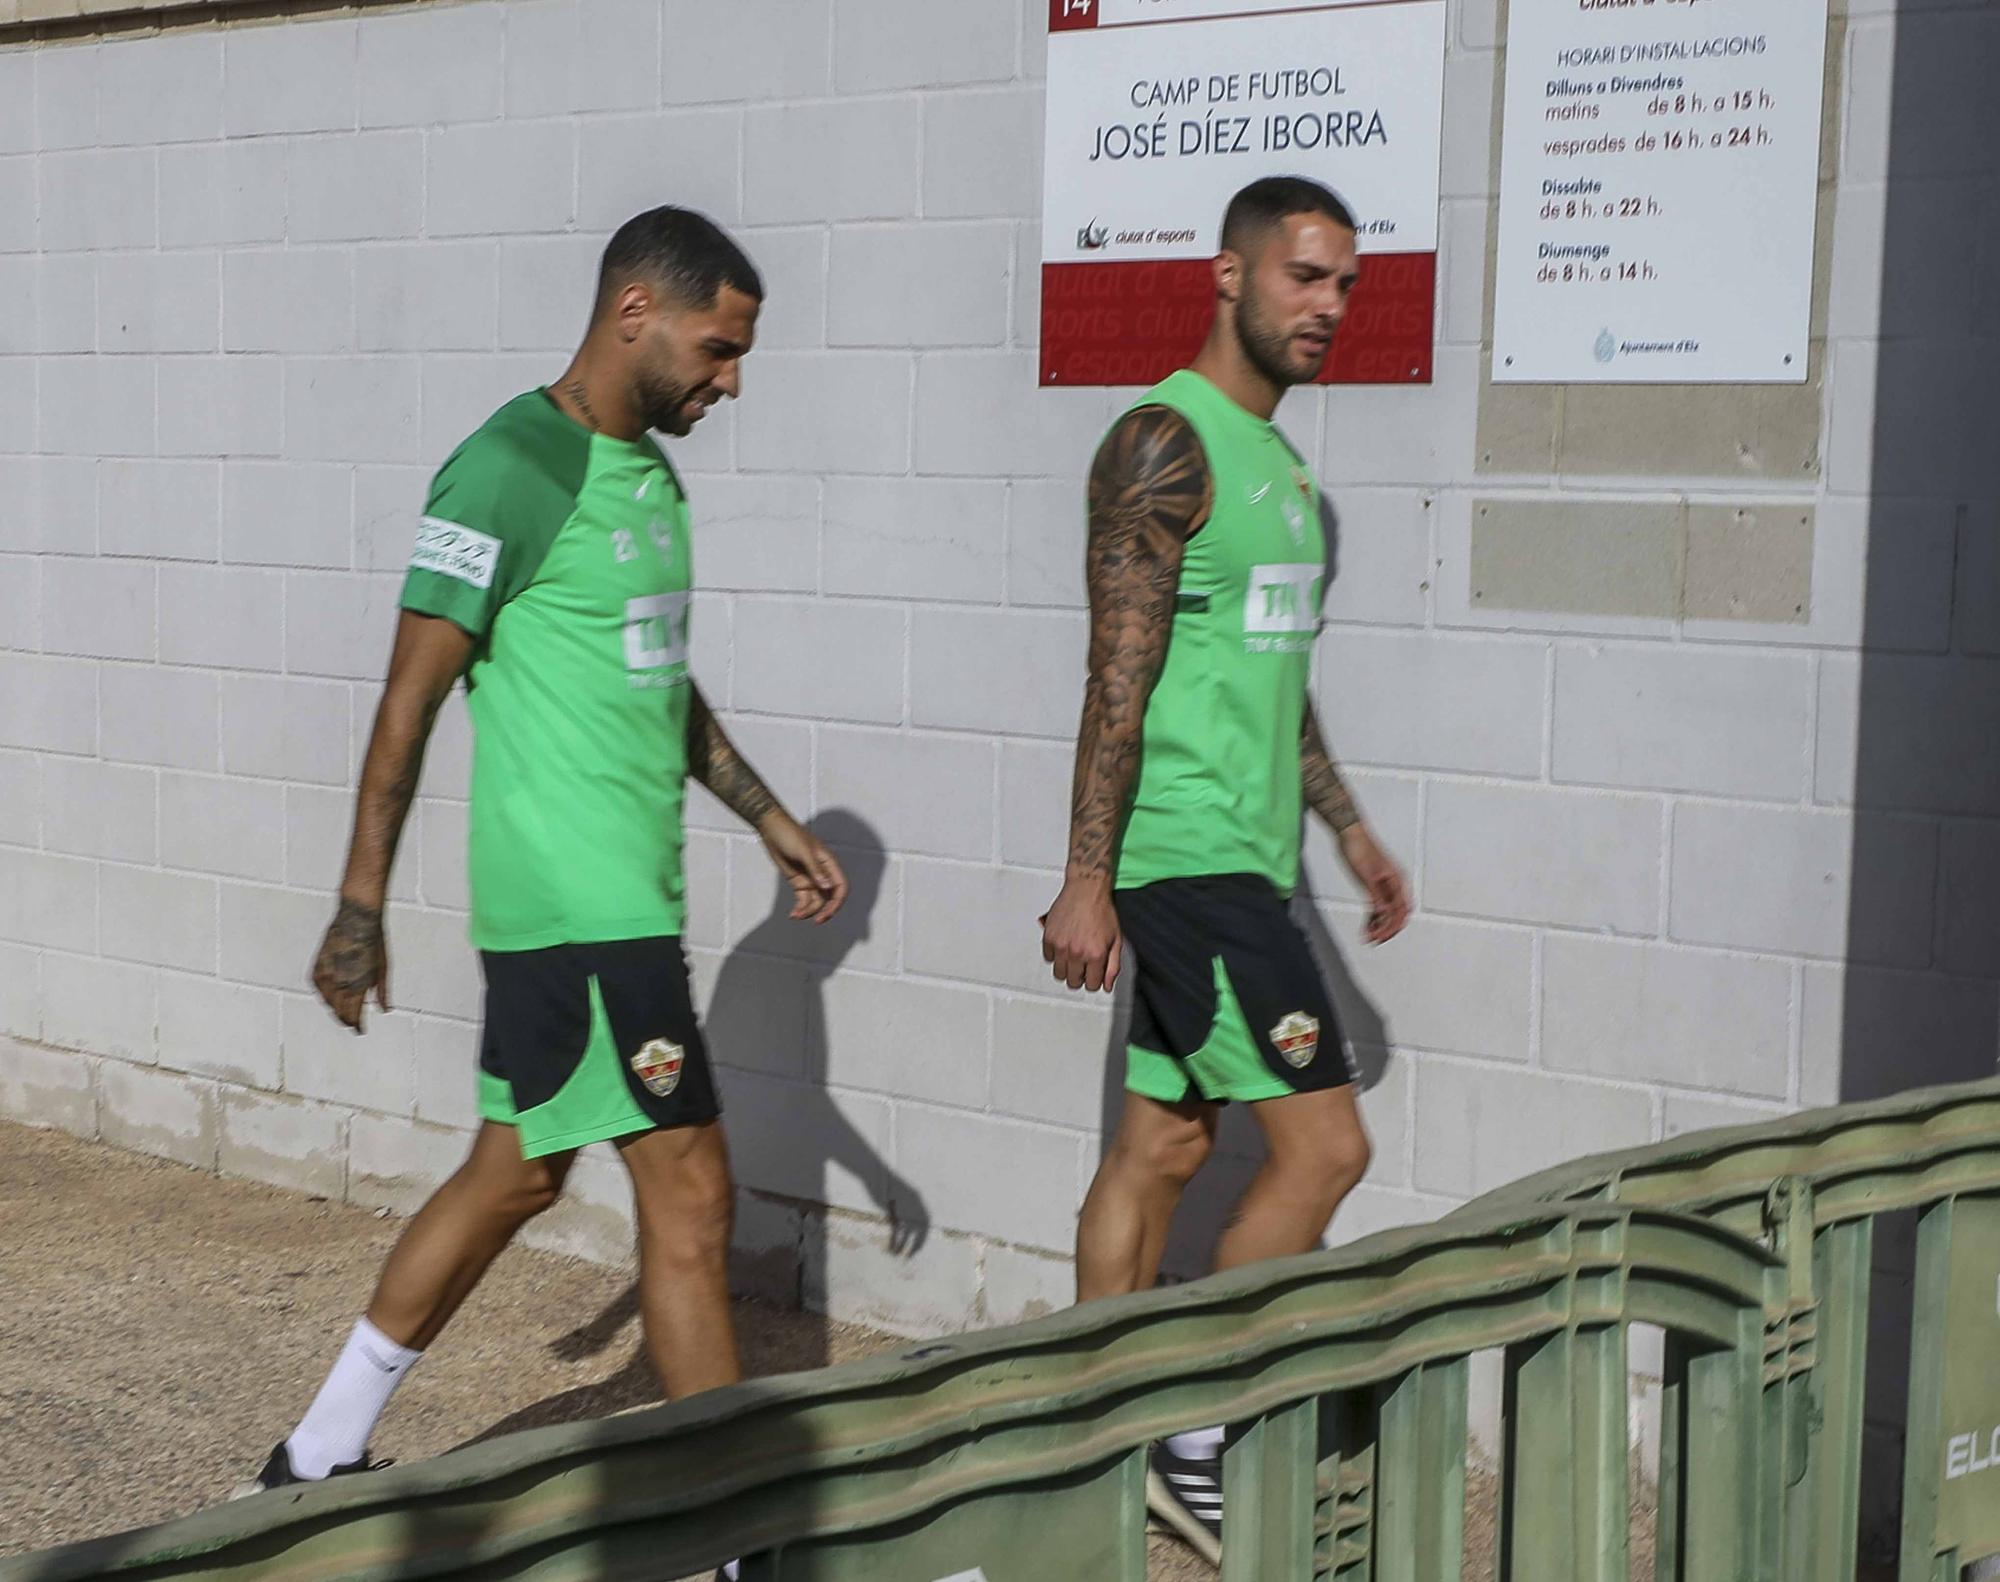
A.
x: 1659, y: 175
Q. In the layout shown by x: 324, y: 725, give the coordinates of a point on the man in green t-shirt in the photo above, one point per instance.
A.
x: 1197, y: 753
x: 551, y: 572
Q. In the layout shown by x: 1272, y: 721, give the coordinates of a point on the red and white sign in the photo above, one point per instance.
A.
x: 1159, y: 111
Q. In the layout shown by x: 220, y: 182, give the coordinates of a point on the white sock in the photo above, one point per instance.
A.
x: 730, y: 1571
x: 1197, y: 1444
x: 336, y: 1426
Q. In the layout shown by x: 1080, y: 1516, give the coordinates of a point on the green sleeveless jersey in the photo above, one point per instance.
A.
x: 565, y: 553
x: 1218, y: 788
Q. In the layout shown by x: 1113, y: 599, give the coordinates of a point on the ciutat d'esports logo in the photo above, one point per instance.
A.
x: 1091, y: 237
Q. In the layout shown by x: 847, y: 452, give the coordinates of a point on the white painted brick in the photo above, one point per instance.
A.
x: 1464, y: 988
x: 781, y: 754
x: 820, y: 660
x: 376, y: 1069
x: 339, y: 624
x: 463, y: 199
x: 958, y: 1159
x: 955, y: 656
x: 1651, y: 1013
x: 355, y: 189
x: 1022, y: 1286
x: 1970, y: 899
x: 158, y: 1113
x: 756, y: 1010
x: 44, y: 1087
x: 397, y: 1164
x: 431, y: 66
x: 1462, y: 257
x: 17, y: 98
x: 438, y: 296
x: 754, y: 49
x: 1568, y: 857
x: 221, y: 406
x: 861, y: 935
x: 159, y: 302
x: 820, y: 413
x: 298, y: 77
x: 164, y: 89
x: 982, y: 413
x: 99, y: 608
x: 219, y: 1030
x: 1659, y: 718
x: 269, y: 935
x: 983, y: 154
x: 1061, y: 1062
x: 1388, y: 805
x: 905, y: 1039
x: 918, y: 538
x: 977, y: 924
x: 927, y: 284
x: 1382, y: 557
x: 21, y: 798
x: 1034, y: 803
x: 1369, y: 1210
x: 546, y: 283
x: 1424, y: 702
x: 807, y: 1141
x: 353, y: 408
x: 162, y: 510
x: 164, y: 919
x: 1466, y: 158
x: 19, y: 404
x: 1868, y: 1033
x: 18, y: 211
x: 629, y: 164
x: 846, y: 160
x: 295, y: 300
x: 291, y: 1144
x: 387, y: 503
x: 460, y: 393
x: 1931, y: 737
x: 759, y: 534
x: 285, y: 729
x: 1045, y: 534
x: 1385, y: 1093
x: 92, y: 809
x: 563, y: 56
x: 224, y: 616
x: 213, y: 824
x: 1786, y: 880
x: 66, y: 301
x: 20, y: 281
x: 223, y: 193
x: 20, y: 991
x: 1850, y: 441
x: 1548, y: 1120
x: 932, y: 795
x: 446, y: 1069
x: 150, y: 715
x: 1419, y: 435
x: 436, y: 969
x: 65, y: 96
x: 99, y: 198
x: 96, y: 406
x: 442, y: 849
x: 448, y: 763
x: 104, y: 1007
x: 20, y: 603
x: 48, y: 704
x: 855, y: 1272
x: 1682, y: 1114
x: 880, y: 45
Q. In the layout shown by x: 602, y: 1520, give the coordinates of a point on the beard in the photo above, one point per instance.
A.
x: 663, y: 404
x: 1268, y: 345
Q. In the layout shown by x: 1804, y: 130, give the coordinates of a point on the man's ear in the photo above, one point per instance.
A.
x: 1228, y: 271
x: 630, y: 307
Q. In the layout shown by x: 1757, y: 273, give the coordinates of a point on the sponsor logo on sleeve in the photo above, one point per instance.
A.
x: 453, y: 550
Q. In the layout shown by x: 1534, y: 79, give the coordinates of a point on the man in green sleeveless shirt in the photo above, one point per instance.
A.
x: 551, y: 572
x: 1196, y: 754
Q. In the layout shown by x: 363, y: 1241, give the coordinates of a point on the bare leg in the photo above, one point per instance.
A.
x: 445, y: 1249
x: 686, y: 1202
x: 1122, y: 1232
x: 1316, y: 1151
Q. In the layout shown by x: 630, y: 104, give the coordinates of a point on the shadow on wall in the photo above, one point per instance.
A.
x: 1918, y: 1001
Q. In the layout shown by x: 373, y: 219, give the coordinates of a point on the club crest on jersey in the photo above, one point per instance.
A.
x: 657, y: 1065
x: 1302, y: 483
x: 1296, y: 1037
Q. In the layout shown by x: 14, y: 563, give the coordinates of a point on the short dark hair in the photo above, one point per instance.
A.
x: 1269, y: 201
x: 686, y: 254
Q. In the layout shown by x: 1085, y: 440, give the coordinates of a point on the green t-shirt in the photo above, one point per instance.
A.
x: 1218, y: 788
x: 565, y: 553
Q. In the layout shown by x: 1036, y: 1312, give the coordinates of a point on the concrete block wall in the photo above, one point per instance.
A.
x: 1684, y: 853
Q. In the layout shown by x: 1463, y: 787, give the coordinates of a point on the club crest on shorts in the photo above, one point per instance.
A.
x: 658, y: 1066
x: 1297, y: 1038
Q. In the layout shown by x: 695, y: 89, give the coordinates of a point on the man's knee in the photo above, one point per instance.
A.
x: 535, y: 1189
x: 689, y: 1211
x: 1167, y: 1153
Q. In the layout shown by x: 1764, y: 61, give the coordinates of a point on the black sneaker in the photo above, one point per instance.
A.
x: 1185, y: 1495
x: 278, y: 1472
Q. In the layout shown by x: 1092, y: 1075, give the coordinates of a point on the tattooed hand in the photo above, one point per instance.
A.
x: 353, y: 959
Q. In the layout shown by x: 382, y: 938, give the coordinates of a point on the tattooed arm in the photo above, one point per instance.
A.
x: 813, y: 872
x: 1325, y: 792
x: 430, y: 654
x: 1149, y: 492
x: 1373, y: 869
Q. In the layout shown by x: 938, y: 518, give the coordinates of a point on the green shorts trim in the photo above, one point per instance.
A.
x: 594, y: 1105
x: 1228, y: 1065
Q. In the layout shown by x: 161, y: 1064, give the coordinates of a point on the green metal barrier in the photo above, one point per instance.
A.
x: 1018, y: 1455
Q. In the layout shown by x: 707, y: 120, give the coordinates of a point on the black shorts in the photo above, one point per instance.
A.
x: 588, y: 1042
x: 1227, y: 1001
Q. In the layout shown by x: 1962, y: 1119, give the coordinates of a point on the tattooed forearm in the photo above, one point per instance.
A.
x: 714, y: 761
x: 1149, y: 490
x: 389, y: 778
x: 1325, y: 792
x: 350, y: 959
